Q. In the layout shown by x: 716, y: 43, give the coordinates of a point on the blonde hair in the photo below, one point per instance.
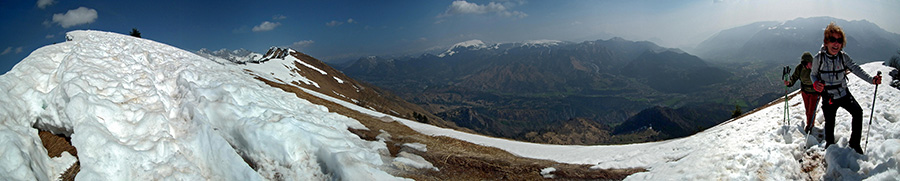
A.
x: 832, y: 29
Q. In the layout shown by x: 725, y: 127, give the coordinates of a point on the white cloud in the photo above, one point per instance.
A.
x: 266, y: 26
x: 463, y: 7
x: 515, y: 14
x: 79, y: 16
x: 44, y: 3
x: 8, y: 49
x: 279, y: 17
x: 50, y: 36
x: 334, y: 23
x: 302, y: 44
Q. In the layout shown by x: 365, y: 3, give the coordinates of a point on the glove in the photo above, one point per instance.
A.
x: 819, y: 86
x: 787, y: 83
x: 876, y: 80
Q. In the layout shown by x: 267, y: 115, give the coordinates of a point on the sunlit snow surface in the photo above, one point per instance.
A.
x: 141, y: 110
x: 754, y: 147
x: 750, y: 148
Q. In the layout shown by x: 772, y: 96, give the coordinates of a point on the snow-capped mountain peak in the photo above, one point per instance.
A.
x: 466, y: 45
x: 541, y: 43
x: 469, y: 44
x: 243, y: 56
x: 276, y: 53
x: 222, y: 56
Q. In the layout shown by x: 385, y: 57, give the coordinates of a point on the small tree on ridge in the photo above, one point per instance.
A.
x: 135, y: 33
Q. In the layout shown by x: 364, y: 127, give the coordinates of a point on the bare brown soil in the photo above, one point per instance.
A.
x: 457, y: 159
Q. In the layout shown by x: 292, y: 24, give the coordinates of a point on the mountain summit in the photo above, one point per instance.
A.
x: 239, y: 56
x: 463, y: 46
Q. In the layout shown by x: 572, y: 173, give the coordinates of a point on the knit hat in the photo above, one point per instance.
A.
x: 806, y: 57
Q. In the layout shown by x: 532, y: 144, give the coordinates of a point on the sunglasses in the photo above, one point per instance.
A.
x: 834, y: 40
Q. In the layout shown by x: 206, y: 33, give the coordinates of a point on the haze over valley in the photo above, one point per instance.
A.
x: 436, y: 90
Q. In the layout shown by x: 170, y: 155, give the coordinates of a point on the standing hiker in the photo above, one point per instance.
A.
x: 810, y: 96
x: 827, y: 74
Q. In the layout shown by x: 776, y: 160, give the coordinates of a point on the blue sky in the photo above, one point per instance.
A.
x: 341, y: 30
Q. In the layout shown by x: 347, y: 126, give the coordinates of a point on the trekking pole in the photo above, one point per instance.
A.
x: 871, y: 114
x: 784, y: 75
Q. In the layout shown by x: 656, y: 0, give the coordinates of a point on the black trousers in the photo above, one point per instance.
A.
x: 829, y: 109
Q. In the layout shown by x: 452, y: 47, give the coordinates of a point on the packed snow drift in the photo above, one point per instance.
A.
x: 140, y: 110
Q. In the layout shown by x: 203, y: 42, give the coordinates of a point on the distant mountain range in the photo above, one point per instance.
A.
x: 597, y: 92
x: 785, y: 41
x: 529, y: 89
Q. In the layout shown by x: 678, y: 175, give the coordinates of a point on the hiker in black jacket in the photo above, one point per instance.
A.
x: 828, y: 75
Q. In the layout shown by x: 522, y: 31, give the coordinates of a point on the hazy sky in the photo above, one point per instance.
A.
x: 338, y: 30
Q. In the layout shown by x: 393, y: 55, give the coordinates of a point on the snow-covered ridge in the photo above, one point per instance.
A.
x: 541, y: 43
x: 239, y: 56
x: 466, y: 45
x: 243, y: 56
x: 470, y: 44
x: 276, y: 53
x: 141, y: 110
x: 478, y: 45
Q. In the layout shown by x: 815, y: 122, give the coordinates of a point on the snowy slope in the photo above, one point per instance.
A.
x: 141, y: 110
x: 754, y: 147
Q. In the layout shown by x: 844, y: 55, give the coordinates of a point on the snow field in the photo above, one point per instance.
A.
x: 141, y: 110
x: 754, y: 147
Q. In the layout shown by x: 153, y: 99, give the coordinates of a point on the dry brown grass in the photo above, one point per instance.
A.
x: 777, y: 101
x: 457, y: 159
x: 55, y: 145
